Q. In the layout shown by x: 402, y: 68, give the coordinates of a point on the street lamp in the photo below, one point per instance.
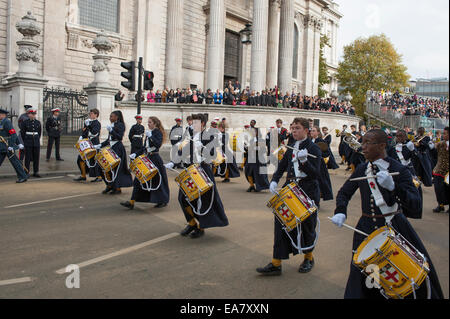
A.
x: 246, y: 34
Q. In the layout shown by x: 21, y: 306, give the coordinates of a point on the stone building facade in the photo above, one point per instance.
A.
x: 195, y: 43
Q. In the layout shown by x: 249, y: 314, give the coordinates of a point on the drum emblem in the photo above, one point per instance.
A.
x: 390, y: 274
x: 284, y: 211
x: 189, y: 183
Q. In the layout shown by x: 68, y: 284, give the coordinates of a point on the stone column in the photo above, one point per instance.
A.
x: 272, y: 43
x: 316, y: 53
x: 259, y: 45
x: 308, y: 55
x: 174, y: 43
x: 286, y: 46
x: 100, y: 93
x: 216, y: 44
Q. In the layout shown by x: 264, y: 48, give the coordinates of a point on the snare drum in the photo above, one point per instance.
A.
x: 86, y: 149
x: 220, y: 158
x: 143, y: 169
x: 194, y: 182
x: 292, y: 206
x: 107, y: 159
x: 399, y: 263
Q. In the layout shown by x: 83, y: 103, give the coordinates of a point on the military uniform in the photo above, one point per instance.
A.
x: 136, y: 137
x: 404, y: 195
x: 9, y: 135
x: 53, y: 128
x: 31, y: 131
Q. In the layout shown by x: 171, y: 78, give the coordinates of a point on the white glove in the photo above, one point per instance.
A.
x: 21, y: 147
x: 385, y: 180
x: 169, y: 165
x: 410, y: 146
x: 431, y: 145
x: 148, y: 133
x: 98, y: 146
x: 109, y: 128
x: 273, y: 187
x: 81, y: 137
x: 255, y: 139
x: 10, y: 149
x: 87, y: 122
x: 133, y: 156
x: 302, y: 155
x: 338, y: 219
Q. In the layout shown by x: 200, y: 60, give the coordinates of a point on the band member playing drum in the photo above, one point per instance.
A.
x: 326, y: 190
x: 254, y: 167
x: 158, y: 192
x: 382, y: 199
x: 304, y: 170
x: 440, y: 174
x: 91, y: 131
x: 228, y: 169
x: 116, y: 131
x: 209, y: 209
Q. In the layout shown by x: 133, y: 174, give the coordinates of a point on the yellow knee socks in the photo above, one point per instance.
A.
x: 276, y: 262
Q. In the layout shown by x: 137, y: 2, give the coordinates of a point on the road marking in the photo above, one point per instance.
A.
x: 44, y: 179
x: 15, y: 281
x: 120, y: 252
x: 51, y: 200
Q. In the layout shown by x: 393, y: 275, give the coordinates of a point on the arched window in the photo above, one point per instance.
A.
x: 100, y: 14
x: 295, y: 55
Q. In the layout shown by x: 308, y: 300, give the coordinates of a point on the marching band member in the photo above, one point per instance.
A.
x: 326, y: 190
x: 91, y: 131
x: 215, y: 217
x: 381, y: 202
x: 229, y: 168
x: 116, y: 131
x: 253, y: 167
x: 440, y: 172
x: 245, y: 157
x: 53, y: 128
x: 136, y: 134
x: 343, y: 147
x: 403, y: 152
x: 31, y: 131
x: 305, y: 170
x: 9, y: 142
x: 355, y: 156
x: 176, y: 136
x: 422, y: 161
x: 159, y: 185
x: 332, y: 160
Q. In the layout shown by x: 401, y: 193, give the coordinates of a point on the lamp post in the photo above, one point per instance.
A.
x: 246, y: 34
x: 246, y: 39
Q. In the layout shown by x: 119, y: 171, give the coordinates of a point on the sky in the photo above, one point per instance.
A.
x: 418, y: 29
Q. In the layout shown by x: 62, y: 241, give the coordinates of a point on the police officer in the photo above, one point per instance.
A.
x: 8, y: 144
x: 31, y: 131
x: 136, y: 135
x: 53, y: 128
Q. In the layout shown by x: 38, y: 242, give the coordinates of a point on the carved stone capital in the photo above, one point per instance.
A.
x: 28, y: 27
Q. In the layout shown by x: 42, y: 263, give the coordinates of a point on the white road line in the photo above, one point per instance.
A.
x: 44, y: 179
x: 15, y: 281
x: 51, y: 200
x: 121, y: 252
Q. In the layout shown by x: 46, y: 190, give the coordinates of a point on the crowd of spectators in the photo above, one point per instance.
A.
x: 234, y: 95
x: 412, y: 104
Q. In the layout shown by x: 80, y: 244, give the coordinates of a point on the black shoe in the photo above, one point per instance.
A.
x: 197, y: 233
x: 269, y: 270
x: 79, y: 179
x: 60, y: 159
x: 188, y: 230
x: 438, y: 209
x: 107, y: 190
x: 115, y: 192
x: 306, y: 266
x: 226, y: 180
x: 97, y: 179
x: 250, y: 189
x: 36, y: 175
x: 348, y: 168
x: 127, y: 205
x: 161, y: 205
x: 21, y: 180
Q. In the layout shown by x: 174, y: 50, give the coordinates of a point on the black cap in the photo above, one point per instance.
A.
x: 27, y: 107
x: 2, y: 111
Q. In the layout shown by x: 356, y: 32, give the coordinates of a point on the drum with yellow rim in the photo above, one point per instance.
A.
x: 236, y: 141
x: 416, y: 182
x: 292, y: 206
x: 86, y: 149
x: 399, y: 266
x: 143, y: 168
x: 194, y: 182
x: 107, y: 159
x: 220, y: 158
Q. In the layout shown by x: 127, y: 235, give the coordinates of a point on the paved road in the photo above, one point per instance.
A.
x: 139, y: 254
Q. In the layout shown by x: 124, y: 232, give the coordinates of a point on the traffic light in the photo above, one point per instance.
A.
x: 148, y: 80
x: 130, y: 75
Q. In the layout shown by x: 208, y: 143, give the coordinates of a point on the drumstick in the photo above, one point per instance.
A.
x: 295, y: 149
x: 367, y: 177
x: 354, y: 229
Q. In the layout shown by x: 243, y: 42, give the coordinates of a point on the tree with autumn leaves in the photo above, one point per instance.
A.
x: 371, y: 64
